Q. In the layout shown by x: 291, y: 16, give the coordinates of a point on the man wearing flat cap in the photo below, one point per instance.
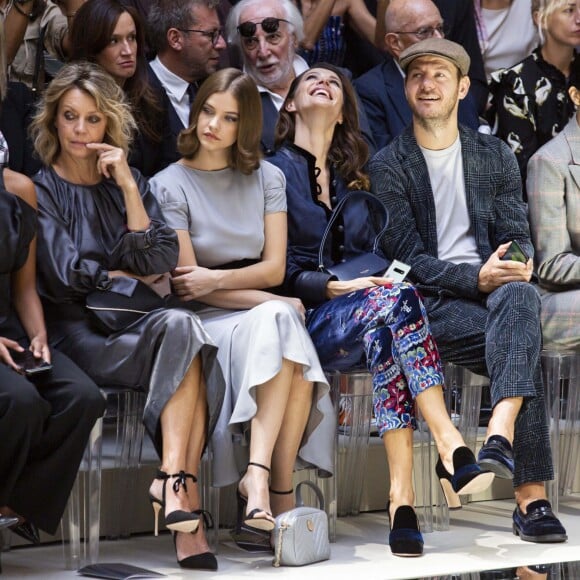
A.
x: 455, y: 201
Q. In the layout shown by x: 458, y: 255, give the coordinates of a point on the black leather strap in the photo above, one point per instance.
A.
x: 336, y: 212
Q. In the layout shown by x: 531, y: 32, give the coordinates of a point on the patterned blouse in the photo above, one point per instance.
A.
x: 532, y: 105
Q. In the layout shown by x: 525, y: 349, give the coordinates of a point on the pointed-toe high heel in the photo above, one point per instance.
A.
x: 252, y: 520
x: 405, y: 538
x: 28, y: 531
x: 177, y: 520
x: 467, y: 478
x: 204, y: 561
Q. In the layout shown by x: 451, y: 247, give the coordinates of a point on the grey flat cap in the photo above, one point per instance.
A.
x: 437, y: 47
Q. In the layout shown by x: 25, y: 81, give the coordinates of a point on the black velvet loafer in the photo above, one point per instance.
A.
x: 497, y: 456
x: 405, y: 538
x: 539, y: 524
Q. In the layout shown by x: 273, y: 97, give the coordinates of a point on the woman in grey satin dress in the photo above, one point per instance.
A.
x: 229, y: 211
x: 101, y: 229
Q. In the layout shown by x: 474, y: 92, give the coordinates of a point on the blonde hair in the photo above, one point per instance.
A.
x: 109, y: 99
x: 542, y: 10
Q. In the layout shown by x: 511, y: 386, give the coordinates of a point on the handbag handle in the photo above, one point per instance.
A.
x: 336, y: 212
x: 315, y: 489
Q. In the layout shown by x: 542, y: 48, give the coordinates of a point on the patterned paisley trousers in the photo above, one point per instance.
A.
x: 385, y: 327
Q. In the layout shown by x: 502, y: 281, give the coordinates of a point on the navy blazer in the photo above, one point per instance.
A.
x: 382, y: 93
x: 493, y: 188
x: 353, y: 233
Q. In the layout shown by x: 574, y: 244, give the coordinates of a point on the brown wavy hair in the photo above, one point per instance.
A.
x: 91, y: 32
x: 246, y: 151
x: 348, y: 151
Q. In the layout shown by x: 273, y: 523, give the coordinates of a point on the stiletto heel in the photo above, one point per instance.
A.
x: 405, y: 538
x: 250, y: 520
x: 177, y: 520
x: 467, y: 477
x: 203, y: 561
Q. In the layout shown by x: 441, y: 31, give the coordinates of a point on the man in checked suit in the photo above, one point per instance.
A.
x: 455, y: 200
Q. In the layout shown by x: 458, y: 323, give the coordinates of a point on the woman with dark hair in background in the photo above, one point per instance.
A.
x: 112, y: 34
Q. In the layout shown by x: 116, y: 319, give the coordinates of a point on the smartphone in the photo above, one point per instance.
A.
x: 29, y: 364
x: 515, y: 253
x: 397, y: 271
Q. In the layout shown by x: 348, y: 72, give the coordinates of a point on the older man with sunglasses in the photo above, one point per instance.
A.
x: 268, y: 33
x: 381, y: 90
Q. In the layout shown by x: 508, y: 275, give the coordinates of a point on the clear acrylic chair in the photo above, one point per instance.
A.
x: 463, y: 400
x: 122, y: 419
x: 561, y: 373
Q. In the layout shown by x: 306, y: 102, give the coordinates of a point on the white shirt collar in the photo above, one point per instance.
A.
x: 171, y: 82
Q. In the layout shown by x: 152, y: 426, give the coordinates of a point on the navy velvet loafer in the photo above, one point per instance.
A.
x: 539, y: 524
x: 497, y: 456
x: 405, y: 538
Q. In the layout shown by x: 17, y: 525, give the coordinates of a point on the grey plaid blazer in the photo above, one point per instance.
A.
x: 498, y: 214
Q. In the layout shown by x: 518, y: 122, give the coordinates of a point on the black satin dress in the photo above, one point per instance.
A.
x: 44, y: 422
x: 82, y: 236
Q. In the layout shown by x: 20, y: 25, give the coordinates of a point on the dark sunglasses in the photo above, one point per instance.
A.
x: 269, y: 25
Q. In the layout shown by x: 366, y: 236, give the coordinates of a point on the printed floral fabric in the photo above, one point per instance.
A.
x: 531, y: 105
x: 386, y: 328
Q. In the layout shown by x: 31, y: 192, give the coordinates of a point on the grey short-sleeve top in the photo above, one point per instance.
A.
x: 222, y: 210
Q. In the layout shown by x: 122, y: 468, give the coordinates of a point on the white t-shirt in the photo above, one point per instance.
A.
x: 511, y: 35
x: 455, y: 239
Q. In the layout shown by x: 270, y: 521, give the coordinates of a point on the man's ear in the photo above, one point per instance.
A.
x: 175, y: 39
x: 392, y: 46
x: 295, y: 43
x: 464, y: 84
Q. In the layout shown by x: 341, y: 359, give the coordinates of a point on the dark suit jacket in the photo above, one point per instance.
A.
x: 382, y: 93
x: 498, y: 214
x: 146, y: 155
x: 17, y: 110
x: 459, y: 17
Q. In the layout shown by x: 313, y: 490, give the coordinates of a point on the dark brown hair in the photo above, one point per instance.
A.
x: 348, y: 151
x: 91, y: 32
x: 246, y: 152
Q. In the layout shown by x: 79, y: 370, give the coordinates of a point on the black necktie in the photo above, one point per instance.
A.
x: 191, y: 91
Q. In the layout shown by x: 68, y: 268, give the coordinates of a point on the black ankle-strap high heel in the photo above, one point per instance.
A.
x: 177, y: 520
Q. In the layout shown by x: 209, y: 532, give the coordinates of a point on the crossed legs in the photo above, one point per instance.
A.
x: 183, y: 427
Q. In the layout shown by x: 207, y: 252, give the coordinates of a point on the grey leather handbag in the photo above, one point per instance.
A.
x: 301, y: 534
